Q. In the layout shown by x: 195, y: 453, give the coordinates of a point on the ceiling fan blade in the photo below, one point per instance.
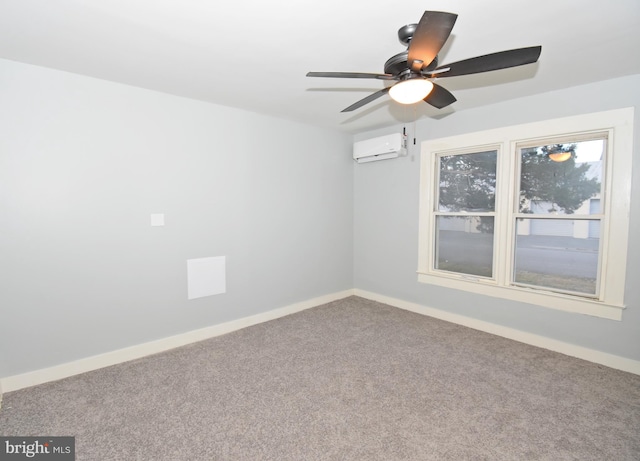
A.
x: 489, y: 62
x: 366, y: 100
x: 440, y: 97
x: 430, y: 35
x: 350, y: 75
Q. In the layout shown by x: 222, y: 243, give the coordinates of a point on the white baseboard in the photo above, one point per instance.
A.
x: 95, y: 362
x: 65, y: 370
x: 592, y: 355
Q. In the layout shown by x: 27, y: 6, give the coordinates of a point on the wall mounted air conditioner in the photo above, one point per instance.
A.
x: 380, y: 148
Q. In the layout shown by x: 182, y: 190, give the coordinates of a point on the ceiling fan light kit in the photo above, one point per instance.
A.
x: 418, y: 65
x: 411, y: 91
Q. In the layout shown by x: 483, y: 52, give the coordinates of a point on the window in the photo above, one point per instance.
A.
x: 559, y: 183
x: 530, y: 213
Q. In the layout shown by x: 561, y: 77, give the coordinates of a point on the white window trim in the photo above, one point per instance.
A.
x: 619, y: 124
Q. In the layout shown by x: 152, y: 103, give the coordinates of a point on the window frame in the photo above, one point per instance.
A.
x: 618, y: 124
x: 439, y: 213
x: 600, y: 217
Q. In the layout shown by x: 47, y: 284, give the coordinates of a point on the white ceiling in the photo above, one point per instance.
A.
x: 254, y: 55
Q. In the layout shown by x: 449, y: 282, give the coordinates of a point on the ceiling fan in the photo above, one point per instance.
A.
x: 414, y: 69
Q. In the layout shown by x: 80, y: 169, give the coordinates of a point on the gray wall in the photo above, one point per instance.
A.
x: 83, y: 164
x: 386, y: 223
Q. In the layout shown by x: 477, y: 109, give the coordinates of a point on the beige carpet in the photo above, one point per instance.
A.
x: 350, y: 380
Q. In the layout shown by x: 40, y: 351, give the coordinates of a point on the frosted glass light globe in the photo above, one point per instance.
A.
x: 411, y: 91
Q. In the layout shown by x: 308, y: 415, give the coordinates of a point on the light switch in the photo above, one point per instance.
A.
x: 157, y: 219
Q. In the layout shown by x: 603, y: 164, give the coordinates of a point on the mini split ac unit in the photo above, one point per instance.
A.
x: 381, y: 148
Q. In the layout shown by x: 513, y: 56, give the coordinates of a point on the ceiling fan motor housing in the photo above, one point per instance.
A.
x: 399, y: 63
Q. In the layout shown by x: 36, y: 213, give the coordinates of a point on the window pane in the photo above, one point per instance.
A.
x: 465, y: 245
x: 564, y: 185
x: 549, y: 256
x: 468, y: 182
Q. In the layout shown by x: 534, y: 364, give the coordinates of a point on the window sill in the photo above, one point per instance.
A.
x: 530, y: 296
